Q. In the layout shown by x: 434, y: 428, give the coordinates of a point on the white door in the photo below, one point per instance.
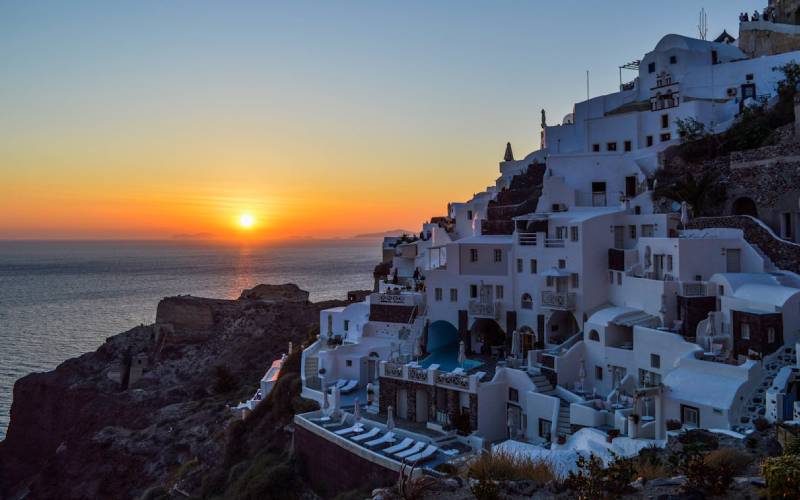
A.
x: 734, y: 260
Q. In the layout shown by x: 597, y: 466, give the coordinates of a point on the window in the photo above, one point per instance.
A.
x: 562, y: 263
x: 598, y: 187
x: 690, y: 416
x: 619, y: 278
x: 519, y: 265
x: 534, y: 266
x: 665, y: 137
x: 649, y: 140
x: 673, y: 59
x: 437, y: 294
x: 648, y: 230
x: 598, y: 372
x: 498, y: 255
x: 473, y: 291
x: 544, y: 428
x: 771, y: 335
x: 632, y: 231
x: 575, y: 280
x: 498, y: 291
x: 573, y: 233
x: 593, y: 335
x: 665, y: 121
x: 651, y: 68
x: 454, y: 295
x: 655, y: 361
x: 469, y: 214
x: 628, y: 145
x: 330, y: 324
x: 527, y: 301
x: 611, y: 146
x: 347, y: 325
x: 513, y: 395
x: 473, y: 255
x: 669, y: 262
x: 637, y: 210
x: 745, y: 331
x: 596, y: 148
x: 348, y: 362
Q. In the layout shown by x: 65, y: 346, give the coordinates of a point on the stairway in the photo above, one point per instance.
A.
x: 756, y: 404
x: 311, y: 369
x: 544, y: 386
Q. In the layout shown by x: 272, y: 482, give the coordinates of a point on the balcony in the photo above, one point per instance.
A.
x: 481, y: 309
x: 564, y: 301
x: 616, y: 259
x: 527, y: 239
x: 599, y: 199
x: 554, y: 243
x: 695, y: 289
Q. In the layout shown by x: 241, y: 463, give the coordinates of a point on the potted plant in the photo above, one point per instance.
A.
x: 634, y: 418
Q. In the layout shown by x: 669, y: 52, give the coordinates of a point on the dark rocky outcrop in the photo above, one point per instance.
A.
x: 284, y: 293
x: 75, y: 433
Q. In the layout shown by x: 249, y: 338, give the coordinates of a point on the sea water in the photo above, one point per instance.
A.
x: 62, y: 299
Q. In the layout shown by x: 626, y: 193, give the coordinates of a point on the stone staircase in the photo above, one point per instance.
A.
x: 756, y: 405
x: 544, y: 386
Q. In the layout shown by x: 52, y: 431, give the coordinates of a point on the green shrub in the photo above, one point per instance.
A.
x: 709, y: 473
x: 593, y: 480
x: 782, y: 475
x: 792, y: 446
x: 690, y: 129
x: 761, y: 424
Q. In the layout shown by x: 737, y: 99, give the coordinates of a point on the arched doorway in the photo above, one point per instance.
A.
x: 560, y: 326
x: 441, y: 334
x: 527, y: 340
x: 487, y: 337
x: 745, y: 206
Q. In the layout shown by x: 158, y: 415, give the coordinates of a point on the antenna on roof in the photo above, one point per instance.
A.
x: 702, y: 24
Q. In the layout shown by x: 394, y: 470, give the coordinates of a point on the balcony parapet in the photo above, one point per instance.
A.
x: 564, y: 301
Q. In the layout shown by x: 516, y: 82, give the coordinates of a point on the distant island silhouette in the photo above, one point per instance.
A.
x: 390, y: 232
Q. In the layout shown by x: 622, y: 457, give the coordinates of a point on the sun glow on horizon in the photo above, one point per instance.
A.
x: 246, y: 221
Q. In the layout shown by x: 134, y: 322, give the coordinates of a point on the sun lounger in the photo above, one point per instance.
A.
x: 411, y: 451
x: 350, y: 430
x: 367, y: 435
x: 339, y: 383
x: 402, y: 445
x: 350, y: 386
x: 385, y: 439
x: 422, y: 456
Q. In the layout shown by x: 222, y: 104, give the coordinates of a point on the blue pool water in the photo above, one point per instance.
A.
x: 447, y: 359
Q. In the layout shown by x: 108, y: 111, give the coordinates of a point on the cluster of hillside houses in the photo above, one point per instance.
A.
x: 560, y: 307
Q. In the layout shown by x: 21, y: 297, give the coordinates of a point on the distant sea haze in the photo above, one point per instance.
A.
x: 62, y: 299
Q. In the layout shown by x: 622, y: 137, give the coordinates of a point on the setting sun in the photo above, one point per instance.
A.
x: 246, y: 221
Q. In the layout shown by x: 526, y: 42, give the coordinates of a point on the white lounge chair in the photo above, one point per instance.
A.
x: 422, y: 456
x: 339, y: 383
x: 367, y: 435
x: 402, y: 445
x: 411, y: 451
x: 385, y: 439
x: 350, y: 430
x: 350, y: 386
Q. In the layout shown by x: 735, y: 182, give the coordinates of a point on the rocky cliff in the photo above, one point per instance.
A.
x: 85, y: 431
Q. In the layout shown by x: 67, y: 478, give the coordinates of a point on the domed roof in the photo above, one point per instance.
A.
x: 681, y: 42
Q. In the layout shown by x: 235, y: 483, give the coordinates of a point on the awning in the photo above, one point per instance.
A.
x: 636, y: 318
x: 556, y: 273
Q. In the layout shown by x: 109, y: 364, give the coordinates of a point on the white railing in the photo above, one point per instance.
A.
x: 696, y: 289
x: 431, y: 376
x: 527, y: 239
x: 554, y: 243
x: 477, y: 308
x: 558, y: 300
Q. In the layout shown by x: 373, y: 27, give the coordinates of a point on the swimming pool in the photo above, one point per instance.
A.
x: 447, y: 359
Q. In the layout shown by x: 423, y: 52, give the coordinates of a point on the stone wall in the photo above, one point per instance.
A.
x: 388, y: 397
x: 331, y: 470
x: 765, y: 42
x: 785, y: 255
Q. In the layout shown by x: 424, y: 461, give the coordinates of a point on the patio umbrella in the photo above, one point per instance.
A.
x: 515, y: 343
x: 462, y: 354
x: 389, y: 418
x: 710, y: 330
x: 337, y: 399
x: 684, y: 214
x: 369, y: 394
x: 357, y: 411
x: 582, y: 373
x: 325, y: 403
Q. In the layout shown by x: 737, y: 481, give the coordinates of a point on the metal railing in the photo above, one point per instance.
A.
x: 527, y: 239
x: 553, y: 243
x: 477, y: 308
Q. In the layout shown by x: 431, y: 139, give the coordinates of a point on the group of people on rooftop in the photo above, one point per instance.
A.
x: 767, y: 15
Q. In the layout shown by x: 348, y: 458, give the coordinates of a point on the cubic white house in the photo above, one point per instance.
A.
x: 560, y: 309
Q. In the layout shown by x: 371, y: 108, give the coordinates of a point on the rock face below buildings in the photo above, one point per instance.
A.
x: 75, y: 433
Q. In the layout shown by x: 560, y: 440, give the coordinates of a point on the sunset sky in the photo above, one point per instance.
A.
x: 149, y: 119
